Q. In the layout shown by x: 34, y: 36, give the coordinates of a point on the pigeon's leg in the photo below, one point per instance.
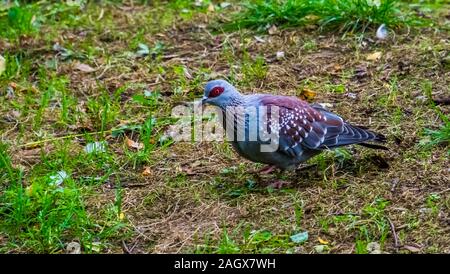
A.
x: 267, y: 169
x: 278, y: 183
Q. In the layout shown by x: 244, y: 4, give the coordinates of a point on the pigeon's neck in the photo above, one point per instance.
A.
x: 236, y: 99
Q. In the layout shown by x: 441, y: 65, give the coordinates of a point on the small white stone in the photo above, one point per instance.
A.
x: 382, y: 32
x: 259, y: 39
x: 280, y: 55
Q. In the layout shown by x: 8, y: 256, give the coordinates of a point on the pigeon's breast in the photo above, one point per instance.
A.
x: 251, y: 139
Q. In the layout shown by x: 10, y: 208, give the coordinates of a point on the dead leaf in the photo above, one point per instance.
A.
x: 322, y: 241
x: 211, y: 7
x: 337, y: 67
x: 307, y: 94
x: 84, y: 68
x: 132, y: 144
x: 34, y: 89
x: 29, y: 190
x: 312, y: 17
x: 146, y: 172
x: 273, y: 29
x: 96, y: 246
x: 188, y: 170
x: 374, y: 56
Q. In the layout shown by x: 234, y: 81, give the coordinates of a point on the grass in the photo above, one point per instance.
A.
x: 440, y: 136
x: 46, y: 215
x: 346, y: 15
x: 360, y: 15
x: 19, y: 21
x: 140, y: 191
x: 253, y: 70
x: 263, y: 14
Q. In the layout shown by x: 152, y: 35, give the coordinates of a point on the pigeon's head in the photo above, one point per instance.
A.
x: 220, y: 93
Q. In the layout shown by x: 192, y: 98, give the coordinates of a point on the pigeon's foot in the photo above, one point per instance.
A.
x: 267, y: 169
x: 278, y: 184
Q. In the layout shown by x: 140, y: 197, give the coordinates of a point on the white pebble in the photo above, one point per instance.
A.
x: 382, y: 32
x: 280, y: 55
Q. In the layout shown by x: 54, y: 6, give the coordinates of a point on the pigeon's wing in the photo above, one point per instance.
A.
x: 301, y: 126
x: 349, y: 134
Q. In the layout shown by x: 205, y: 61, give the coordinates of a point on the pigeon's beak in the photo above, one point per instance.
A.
x: 204, y: 100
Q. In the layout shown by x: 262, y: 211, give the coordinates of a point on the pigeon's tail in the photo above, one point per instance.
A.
x: 360, y: 135
x: 339, y: 133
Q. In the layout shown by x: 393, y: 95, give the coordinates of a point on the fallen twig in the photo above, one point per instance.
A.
x: 394, y: 233
x: 33, y: 144
x: 125, y: 247
x: 442, y: 101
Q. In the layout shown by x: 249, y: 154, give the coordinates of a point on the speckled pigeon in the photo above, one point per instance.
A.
x: 303, y: 130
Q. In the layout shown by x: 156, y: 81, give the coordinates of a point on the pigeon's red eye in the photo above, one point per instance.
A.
x: 216, y: 91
